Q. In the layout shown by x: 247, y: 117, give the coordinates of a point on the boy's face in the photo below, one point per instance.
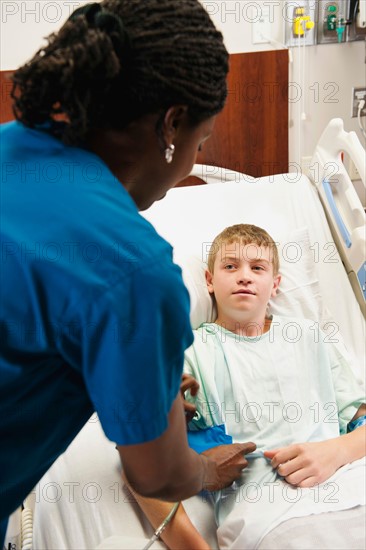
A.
x: 242, y: 283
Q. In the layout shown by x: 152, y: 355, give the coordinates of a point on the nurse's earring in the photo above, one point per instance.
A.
x: 169, y: 152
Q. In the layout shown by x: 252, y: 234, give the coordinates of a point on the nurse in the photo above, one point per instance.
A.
x: 94, y: 314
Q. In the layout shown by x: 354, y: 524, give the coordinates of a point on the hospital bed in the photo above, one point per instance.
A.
x: 319, y: 226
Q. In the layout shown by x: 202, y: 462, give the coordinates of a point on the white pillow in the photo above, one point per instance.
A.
x: 298, y: 294
x: 203, y: 308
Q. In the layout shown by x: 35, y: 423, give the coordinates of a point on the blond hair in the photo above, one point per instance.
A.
x: 244, y: 234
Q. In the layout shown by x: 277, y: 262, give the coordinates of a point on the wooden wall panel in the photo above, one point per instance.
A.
x: 251, y: 133
x: 6, y: 112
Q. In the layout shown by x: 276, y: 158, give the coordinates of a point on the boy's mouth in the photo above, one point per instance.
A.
x: 244, y: 291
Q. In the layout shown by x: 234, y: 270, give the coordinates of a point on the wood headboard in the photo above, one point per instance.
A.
x: 251, y: 133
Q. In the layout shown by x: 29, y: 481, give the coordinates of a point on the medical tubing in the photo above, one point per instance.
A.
x: 162, y: 526
x: 360, y: 107
x: 27, y: 529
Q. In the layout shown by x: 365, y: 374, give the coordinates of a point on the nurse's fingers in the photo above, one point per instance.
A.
x: 229, y: 463
x: 189, y: 383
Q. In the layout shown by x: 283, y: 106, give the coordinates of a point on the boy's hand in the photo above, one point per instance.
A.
x: 191, y: 384
x: 229, y: 462
x: 306, y: 464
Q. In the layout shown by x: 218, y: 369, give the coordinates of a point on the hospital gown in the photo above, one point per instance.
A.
x: 289, y: 385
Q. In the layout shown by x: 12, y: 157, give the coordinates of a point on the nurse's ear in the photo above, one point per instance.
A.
x: 209, y: 281
x: 171, y: 122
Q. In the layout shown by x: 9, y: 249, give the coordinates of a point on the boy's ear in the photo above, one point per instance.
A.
x: 276, y: 284
x: 209, y: 278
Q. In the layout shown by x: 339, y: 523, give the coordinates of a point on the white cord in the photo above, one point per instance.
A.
x: 161, y: 527
x: 360, y: 107
x: 303, y: 77
x: 299, y: 103
x: 27, y: 529
x: 279, y: 45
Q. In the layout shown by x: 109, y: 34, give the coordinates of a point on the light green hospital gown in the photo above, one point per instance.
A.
x: 290, y: 385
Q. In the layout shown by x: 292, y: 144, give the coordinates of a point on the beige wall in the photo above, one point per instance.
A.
x: 25, y: 23
x: 325, y: 87
x: 330, y: 70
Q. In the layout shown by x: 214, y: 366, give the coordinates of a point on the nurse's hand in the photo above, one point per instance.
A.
x: 191, y: 384
x: 230, y: 461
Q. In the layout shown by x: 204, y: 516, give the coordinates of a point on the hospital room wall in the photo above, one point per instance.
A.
x: 330, y: 70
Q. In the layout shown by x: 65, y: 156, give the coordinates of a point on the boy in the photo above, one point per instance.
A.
x: 275, y: 382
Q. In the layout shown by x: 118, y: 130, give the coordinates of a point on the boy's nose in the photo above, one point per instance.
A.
x: 244, y: 275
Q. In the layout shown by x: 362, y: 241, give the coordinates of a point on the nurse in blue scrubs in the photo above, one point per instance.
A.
x: 94, y: 314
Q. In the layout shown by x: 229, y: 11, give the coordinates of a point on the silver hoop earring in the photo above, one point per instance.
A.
x: 169, y: 152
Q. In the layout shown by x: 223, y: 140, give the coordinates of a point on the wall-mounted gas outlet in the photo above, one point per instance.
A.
x: 357, y: 95
x: 332, y: 20
x: 299, y: 16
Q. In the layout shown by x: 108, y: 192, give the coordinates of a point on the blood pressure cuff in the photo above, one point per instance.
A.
x: 360, y: 421
x: 202, y: 440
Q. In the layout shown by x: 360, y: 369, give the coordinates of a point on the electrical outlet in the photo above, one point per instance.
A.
x: 357, y: 95
x: 261, y: 29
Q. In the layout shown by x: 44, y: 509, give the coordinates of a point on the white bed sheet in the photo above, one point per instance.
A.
x: 190, y: 218
x: 82, y: 501
x: 81, y: 505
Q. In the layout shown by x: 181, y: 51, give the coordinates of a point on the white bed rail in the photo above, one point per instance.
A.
x: 342, y: 205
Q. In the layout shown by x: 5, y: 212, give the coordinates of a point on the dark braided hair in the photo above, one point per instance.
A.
x: 113, y: 62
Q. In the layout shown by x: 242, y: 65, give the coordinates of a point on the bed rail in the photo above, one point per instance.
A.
x: 342, y: 205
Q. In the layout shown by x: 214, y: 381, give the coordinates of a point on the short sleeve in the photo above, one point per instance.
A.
x: 133, y: 337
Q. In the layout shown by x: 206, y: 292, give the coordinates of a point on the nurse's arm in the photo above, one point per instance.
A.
x: 168, y: 469
x: 180, y: 531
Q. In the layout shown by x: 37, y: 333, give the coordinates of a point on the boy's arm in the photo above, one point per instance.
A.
x: 180, y: 532
x: 308, y: 464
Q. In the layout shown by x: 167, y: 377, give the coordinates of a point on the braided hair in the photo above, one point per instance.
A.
x: 113, y: 62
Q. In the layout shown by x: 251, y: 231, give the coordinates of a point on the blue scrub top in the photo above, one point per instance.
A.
x: 94, y: 314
